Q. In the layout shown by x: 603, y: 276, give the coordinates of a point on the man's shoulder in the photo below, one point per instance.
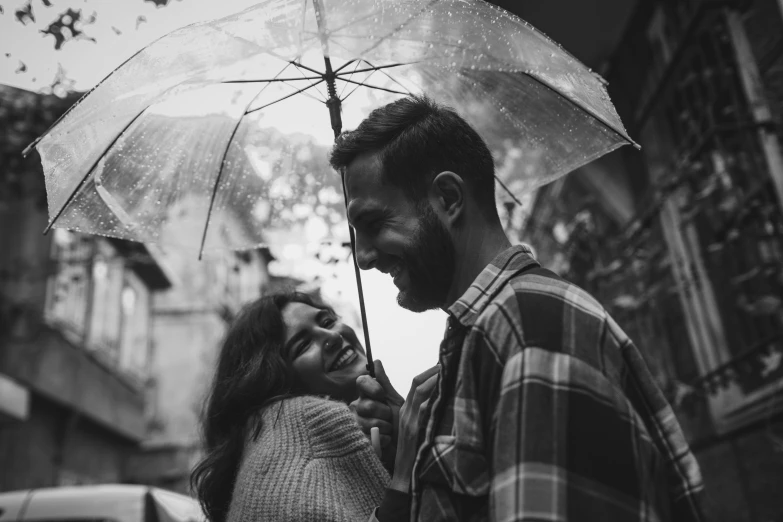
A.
x: 539, y: 308
x: 541, y: 292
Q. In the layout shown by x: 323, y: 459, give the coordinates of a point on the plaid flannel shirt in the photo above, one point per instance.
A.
x: 545, y: 411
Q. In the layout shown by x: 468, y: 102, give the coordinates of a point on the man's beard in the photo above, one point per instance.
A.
x: 430, y: 262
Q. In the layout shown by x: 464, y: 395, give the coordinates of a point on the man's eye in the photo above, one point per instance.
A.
x: 328, y: 321
x: 372, y: 225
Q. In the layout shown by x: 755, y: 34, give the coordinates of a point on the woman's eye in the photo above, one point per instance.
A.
x: 328, y: 321
x: 300, y: 349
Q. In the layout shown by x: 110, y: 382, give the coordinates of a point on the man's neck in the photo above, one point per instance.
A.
x: 480, y: 246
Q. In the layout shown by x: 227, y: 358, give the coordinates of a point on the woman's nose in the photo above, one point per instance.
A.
x: 332, y: 342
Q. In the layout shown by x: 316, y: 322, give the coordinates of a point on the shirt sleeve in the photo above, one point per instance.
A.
x: 567, y: 445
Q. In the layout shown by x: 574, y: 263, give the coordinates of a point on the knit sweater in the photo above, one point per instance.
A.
x: 310, y: 462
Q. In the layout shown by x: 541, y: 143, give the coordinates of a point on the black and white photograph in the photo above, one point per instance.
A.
x: 391, y: 260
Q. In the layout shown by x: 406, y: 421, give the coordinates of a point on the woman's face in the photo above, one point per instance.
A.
x: 325, y: 354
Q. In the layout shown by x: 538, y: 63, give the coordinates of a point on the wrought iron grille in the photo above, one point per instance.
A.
x: 729, y: 196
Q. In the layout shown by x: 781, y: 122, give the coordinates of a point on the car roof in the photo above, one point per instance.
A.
x: 11, y: 504
x: 118, y: 502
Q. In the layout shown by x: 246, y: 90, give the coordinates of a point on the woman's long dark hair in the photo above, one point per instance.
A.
x: 252, y: 372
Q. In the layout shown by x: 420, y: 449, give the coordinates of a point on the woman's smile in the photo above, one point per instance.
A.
x: 344, y: 358
x: 326, y: 356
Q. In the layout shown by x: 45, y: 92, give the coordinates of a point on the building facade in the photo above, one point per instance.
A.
x: 683, y: 241
x: 189, y: 322
x: 75, y: 327
x: 108, y: 346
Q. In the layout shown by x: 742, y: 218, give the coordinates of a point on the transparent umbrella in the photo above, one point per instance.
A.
x: 216, y: 135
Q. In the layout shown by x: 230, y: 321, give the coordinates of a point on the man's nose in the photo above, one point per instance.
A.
x: 366, y: 255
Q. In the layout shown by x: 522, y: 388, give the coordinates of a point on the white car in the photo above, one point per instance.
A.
x: 104, y: 503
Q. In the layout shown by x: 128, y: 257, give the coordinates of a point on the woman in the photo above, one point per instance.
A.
x: 276, y: 449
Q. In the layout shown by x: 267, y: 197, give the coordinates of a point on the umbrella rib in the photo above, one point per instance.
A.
x: 352, y: 22
x: 270, y: 80
x: 287, y: 65
x: 37, y: 140
x: 304, y: 92
x: 285, y: 97
x: 360, y: 84
x: 346, y: 85
x: 300, y: 71
x: 406, y: 22
x: 377, y: 68
x: 346, y: 64
x: 220, y: 173
x: 586, y: 110
x: 355, y: 88
x: 438, y: 44
x: 390, y: 76
x: 508, y: 191
x: 297, y: 64
x: 90, y: 171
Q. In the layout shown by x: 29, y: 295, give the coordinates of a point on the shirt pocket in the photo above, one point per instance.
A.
x: 458, y: 466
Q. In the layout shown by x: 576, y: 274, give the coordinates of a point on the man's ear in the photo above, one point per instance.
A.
x: 447, y: 193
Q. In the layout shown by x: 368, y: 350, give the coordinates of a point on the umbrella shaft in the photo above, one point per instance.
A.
x: 333, y: 103
x: 334, y: 115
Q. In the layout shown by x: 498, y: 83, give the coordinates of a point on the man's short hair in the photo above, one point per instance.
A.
x: 415, y: 139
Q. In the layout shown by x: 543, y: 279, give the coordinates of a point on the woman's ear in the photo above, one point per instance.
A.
x: 447, y: 194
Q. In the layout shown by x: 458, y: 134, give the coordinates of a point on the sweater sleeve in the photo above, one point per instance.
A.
x: 310, y: 463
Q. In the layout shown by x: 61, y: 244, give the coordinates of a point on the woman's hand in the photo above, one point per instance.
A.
x: 378, y: 406
x: 411, y: 421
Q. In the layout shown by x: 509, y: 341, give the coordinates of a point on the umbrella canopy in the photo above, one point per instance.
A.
x: 216, y: 135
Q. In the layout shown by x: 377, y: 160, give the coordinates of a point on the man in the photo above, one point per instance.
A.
x: 543, y: 408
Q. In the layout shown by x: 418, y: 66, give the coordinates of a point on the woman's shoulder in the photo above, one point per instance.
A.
x: 311, y: 458
x: 330, y: 425
x: 305, y: 412
x: 300, y: 406
x: 310, y: 404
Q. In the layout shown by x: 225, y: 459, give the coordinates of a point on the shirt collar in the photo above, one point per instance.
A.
x: 489, y: 282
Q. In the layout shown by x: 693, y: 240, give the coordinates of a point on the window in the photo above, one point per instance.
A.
x: 722, y: 218
x: 135, y: 329
x: 107, y: 277
x: 97, y: 301
x: 69, y: 287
